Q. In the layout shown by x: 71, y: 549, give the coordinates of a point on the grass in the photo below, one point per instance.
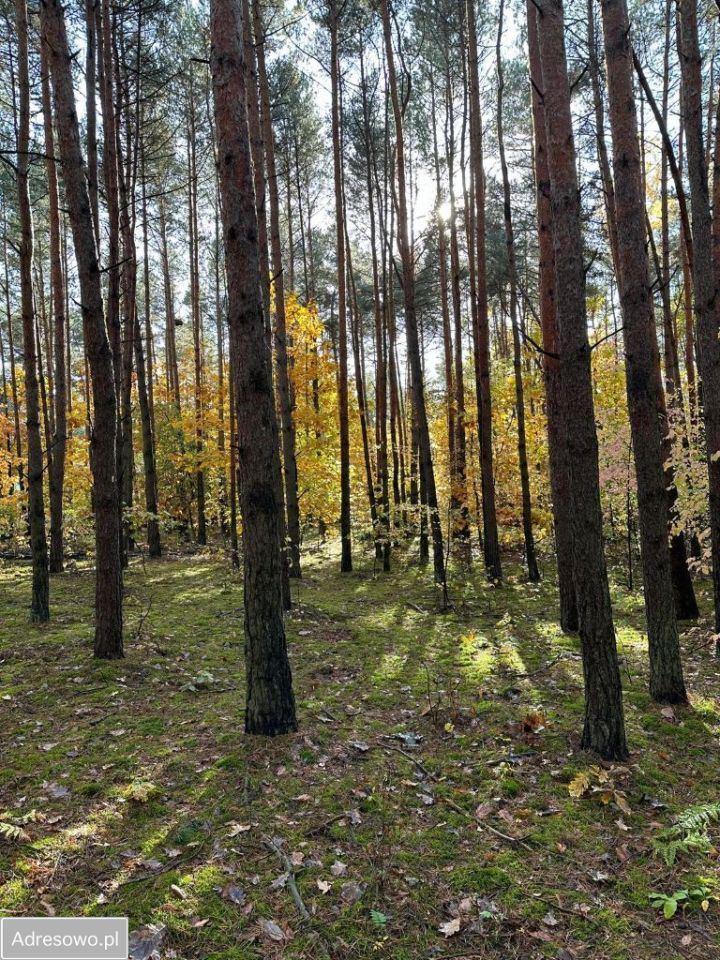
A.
x: 428, y: 783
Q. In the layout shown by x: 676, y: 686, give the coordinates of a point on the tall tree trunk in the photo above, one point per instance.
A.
x: 40, y: 601
x: 530, y: 555
x: 380, y: 339
x: 59, y: 443
x: 705, y: 282
x: 108, y: 582
x: 103, y: 22
x: 606, y: 177
x: 257, y: 149
x: 345, y: 517
x: 91, y: 20
x: 17, y: 437
x: 171, y: 362
x: 411, y: 327
x: 194, y: 259
x: 642, y: 361
x: 557, y: 443
x: 461, y: 527
x: 282, y: 361
x: 270, y: 701
x: 604, y: 726
x: 491, y: 543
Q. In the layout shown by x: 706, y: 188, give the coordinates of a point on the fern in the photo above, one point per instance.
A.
x: 689, y: 832
x: 11, y: 828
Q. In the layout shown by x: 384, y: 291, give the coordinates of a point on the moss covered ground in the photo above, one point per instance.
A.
x: 422, y: 811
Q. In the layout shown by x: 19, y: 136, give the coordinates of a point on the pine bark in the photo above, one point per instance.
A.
x: 270, y: 706
x: 481, y: 332
x: 604, y: 726
x: 59, y: 442
x: 282, y: 361
x: 705, y: 281
x: 108, y: 643
x: 528, y: 535
x: 642, y: 360
x: 345, y: 515
x: 557, y: 444
x: 411, y: 323
x: 40, y: 599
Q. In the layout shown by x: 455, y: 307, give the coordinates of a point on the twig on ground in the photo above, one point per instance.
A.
x: 290, y: 871
x: 321, y: 827
x: 547, y: 666
x: 408, y: 756
x: 485, y: 826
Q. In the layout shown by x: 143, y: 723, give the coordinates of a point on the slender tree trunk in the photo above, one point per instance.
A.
x: 103, y: 21
x: 59, y: 443
x: 40, y: 600
x: 606, y: 177
x: 108, y: 583
x: 380, y: 339
x: 491, y: 543
x: 461, y: 527
x: 146, y: 292
x: 282, y: 362
x: 604, y: 726
x: 91, y: 16
x: 257, y: 149
x: 705, y: 282
x: 530, y: 555
x: 642, y: 361
x: 148, y: 447
x: 270, y: 702
x: 557, y: 443
x: 411, y: 327
x: 17, y: 437
x: 194, y: 260
x: 173, y: 377
x: 345, y: 516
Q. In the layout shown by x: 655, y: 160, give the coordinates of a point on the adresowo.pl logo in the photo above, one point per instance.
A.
x: 63, y: 938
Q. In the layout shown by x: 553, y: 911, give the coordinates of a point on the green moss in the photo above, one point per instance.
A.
x: 370, y: 654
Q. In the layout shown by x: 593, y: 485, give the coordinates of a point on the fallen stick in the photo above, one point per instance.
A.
x: 485, y: 826
x: 290, y: 871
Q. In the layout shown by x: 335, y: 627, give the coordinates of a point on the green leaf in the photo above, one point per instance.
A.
x: 670, y: 908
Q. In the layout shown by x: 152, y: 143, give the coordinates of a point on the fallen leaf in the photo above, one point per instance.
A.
x: 237, y: 828
x: 234, y: 894
x: 450, y: 927
x: 351, y: 892
x: 272, y: 930
x: 145, y: 941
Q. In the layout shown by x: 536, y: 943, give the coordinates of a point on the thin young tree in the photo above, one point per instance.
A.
x: 282, y: 361
x: 642, y: 359
x: 40, y: 601
x: 427, y: 472
x: 335, y: 79
x: 59, y: 441
x: 529, y: 537
x: 604, y: 724
x: 108, y: 643
x: 270, y: 706
x: 491, y: 541
x: 706, y: 283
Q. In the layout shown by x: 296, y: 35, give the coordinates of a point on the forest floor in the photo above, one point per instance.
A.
x: 422, y: 811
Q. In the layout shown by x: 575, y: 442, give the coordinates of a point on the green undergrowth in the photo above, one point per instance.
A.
x: 423, y: 806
